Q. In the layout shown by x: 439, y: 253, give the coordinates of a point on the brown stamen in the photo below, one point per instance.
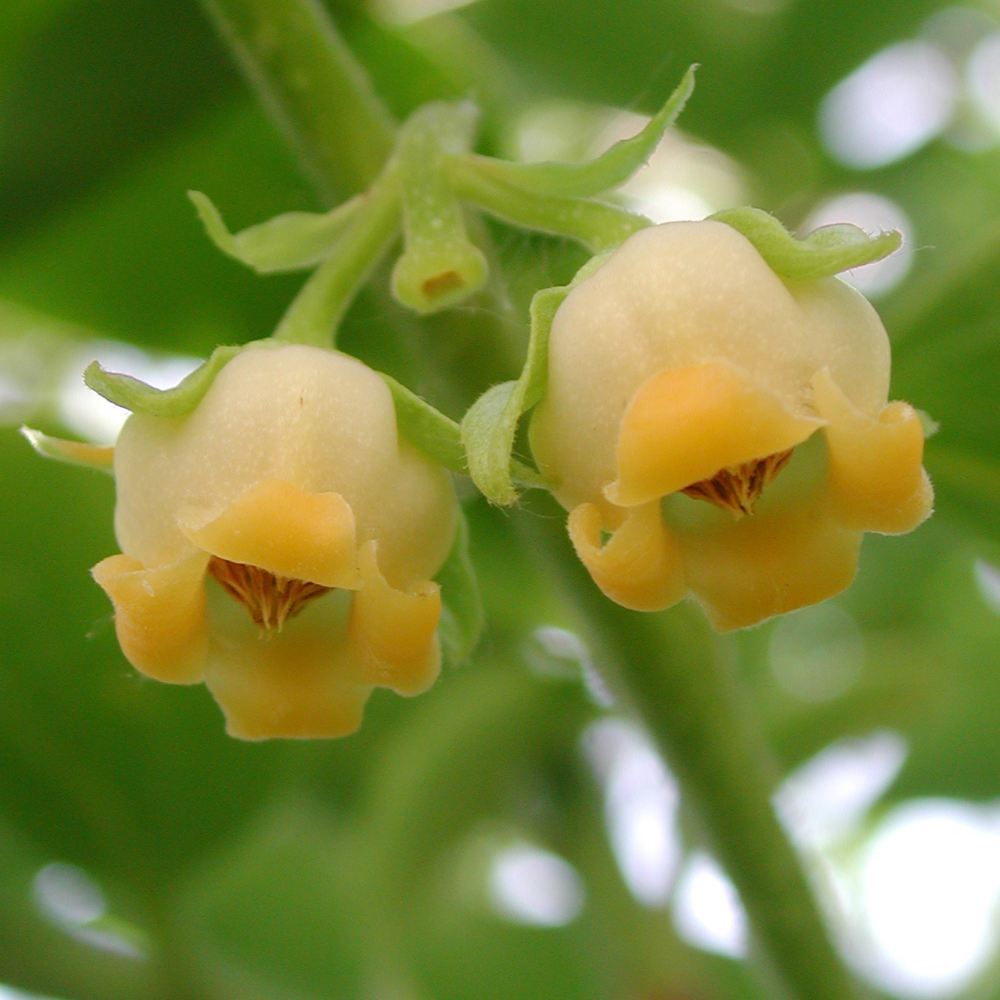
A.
x: 271, y: 600
x: 737, y: 488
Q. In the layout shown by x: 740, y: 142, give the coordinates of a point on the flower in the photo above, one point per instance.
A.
x: 686, y: 386
x: 278, y: 543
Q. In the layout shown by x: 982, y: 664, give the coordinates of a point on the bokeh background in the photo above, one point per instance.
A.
x: 513, y: 833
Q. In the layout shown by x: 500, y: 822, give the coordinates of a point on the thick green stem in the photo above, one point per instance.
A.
x: 673, y: 670
x: 312, y: 85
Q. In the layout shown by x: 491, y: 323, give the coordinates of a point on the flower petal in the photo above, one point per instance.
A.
x: 640, y: 565
x: 393, y: 631
x: 770, y: 564
x: 298, y: 685
x: 876, y: 476
x: 685, y: 424
x: 159, y: 615
x: 282, y: 529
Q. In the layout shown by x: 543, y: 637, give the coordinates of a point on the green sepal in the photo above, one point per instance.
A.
x: 462, y: 615
x: 294, y: 241
x: 595, y: 224
x: 134, y: 395
x: 607, y: 171
x: 88, y: 456
x: 824, y: 252
x: 436, y: 435
x: 489, y: 426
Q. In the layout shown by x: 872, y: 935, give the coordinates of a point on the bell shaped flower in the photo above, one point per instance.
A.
x: 278, y: 543
x: 717, y: 430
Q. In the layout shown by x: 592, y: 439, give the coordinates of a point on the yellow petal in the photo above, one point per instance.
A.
x: 876, y: 477
x: 287, y: 685
x: 685, y: 424
x: 769, y: 564
x: 282, y: 529
x: 394, y: 631
x: 640, y: 566
x: 159, y: 615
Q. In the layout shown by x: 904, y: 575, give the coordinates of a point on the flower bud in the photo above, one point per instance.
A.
x: 728, y: 429
x: 278, y: 542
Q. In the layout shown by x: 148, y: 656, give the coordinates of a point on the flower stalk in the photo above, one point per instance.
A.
x: 315, y: 314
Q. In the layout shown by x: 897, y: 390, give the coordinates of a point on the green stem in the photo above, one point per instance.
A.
x: 315, y: 314
x: 673, y: 670
x: 314, y: 88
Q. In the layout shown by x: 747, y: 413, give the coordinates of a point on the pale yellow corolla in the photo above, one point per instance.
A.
x: 279, y: 543
x: 685, y: 370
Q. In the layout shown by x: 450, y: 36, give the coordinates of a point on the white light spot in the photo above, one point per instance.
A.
x: 528, y: 885
x: 817, y: 654
x: 874, y: 214
x: 889, y: 107
x: 707, y: 911
x: 564, y: 647
x: 91, y: 416
x: 931, y: 889
x: 411, y: 11
x: 683, y: 180
x: 68, y: 896
x: 73, y: 901
x: 824, y: 800
x: 641, y: 800
x: 982, y: 77
x: 9, y: 993
x: 988, y: 579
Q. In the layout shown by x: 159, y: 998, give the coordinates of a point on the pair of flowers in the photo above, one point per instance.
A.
x: 279, y: 541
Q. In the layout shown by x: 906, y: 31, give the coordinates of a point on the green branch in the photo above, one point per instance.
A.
x: 313, y: 87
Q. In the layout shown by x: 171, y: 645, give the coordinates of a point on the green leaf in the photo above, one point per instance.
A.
x: 489, y: 427
x: 607, y: 171
x: 134, y: 395
x: 90, y: 456
x: 824, y: 252
x: 462, y: 616
x: 439, y: 437
x: 291, y: 242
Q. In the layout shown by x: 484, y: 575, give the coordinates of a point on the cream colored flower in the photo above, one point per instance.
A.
x: 278, y: 543
x: 685, y: 370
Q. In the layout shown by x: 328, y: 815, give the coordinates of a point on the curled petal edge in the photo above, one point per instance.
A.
x: 160, y: 615
x: 394, y: 632
x: 640, y: 566
x: 685, y: 424
x: 282, y: 529
x: 875, y: 471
